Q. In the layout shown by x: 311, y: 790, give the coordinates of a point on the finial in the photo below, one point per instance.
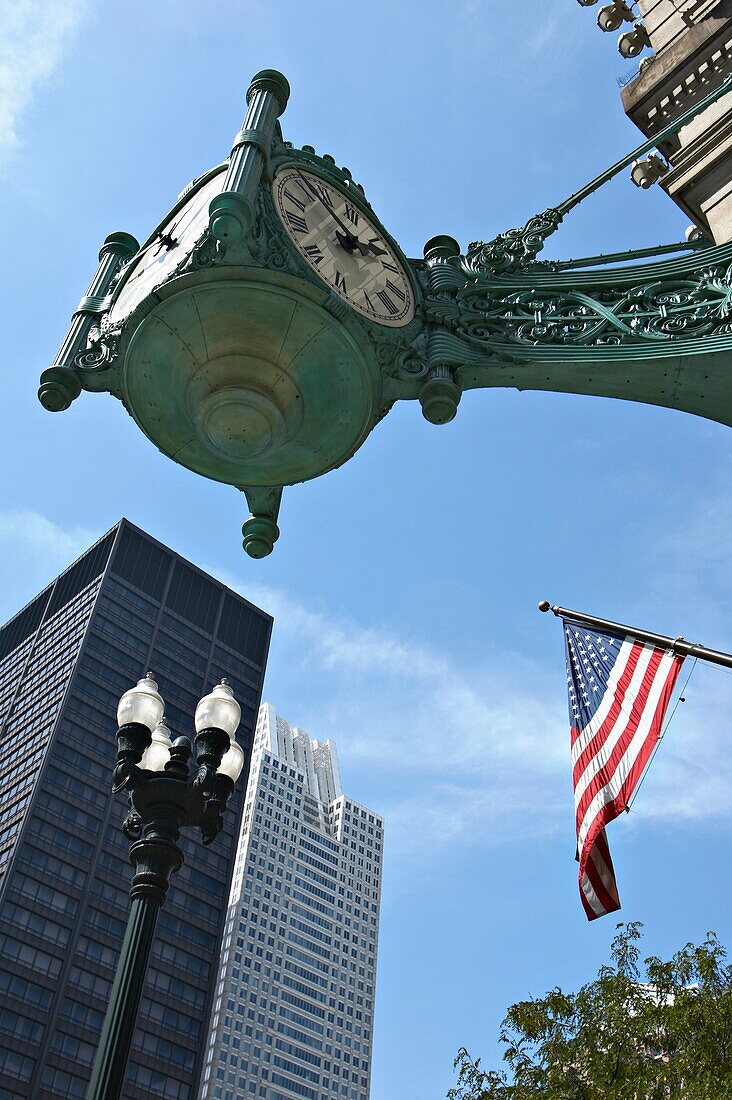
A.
x: 269, y: 80
x: 441, y: 247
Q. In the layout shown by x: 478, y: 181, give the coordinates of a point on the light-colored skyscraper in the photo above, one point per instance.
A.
x: 294, y: 1007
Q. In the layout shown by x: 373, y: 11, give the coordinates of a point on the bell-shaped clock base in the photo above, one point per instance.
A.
x: 249, y: 380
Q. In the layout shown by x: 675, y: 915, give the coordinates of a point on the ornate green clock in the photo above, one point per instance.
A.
x: 344, y: 246
x: 271, y: 321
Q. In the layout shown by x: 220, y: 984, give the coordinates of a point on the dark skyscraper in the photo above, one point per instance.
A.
x: 128, y: 604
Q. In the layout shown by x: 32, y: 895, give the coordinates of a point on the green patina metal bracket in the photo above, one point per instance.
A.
x: 241, y: 361
x: 512, y: 251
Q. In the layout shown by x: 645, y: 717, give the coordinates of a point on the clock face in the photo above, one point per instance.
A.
x: 344, y: 247
x: 162, y: 255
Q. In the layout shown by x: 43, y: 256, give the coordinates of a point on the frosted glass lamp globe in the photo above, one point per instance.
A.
x: 232, y: 762
x: 142, y: 704
x: 218, y: 710
x: 157, y: 753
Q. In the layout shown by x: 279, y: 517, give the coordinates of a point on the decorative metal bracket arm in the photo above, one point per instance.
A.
x: 60, y: 383
x: 132, y: 740
x: 132, y: 826
x: 511, y: 251
x: 232, y: 211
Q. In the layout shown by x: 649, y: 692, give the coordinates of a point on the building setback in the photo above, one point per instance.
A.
x: 128, y: 604
x: 293, y: 1014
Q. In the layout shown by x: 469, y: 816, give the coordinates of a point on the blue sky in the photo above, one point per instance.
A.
x: 404, y: 584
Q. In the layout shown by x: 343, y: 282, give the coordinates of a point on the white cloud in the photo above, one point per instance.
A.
x: 544, y: 31
x: 449, y: 753
x: 691, y: 775
x: 35, y: 35
x: 30, y: 535
x: 474, y: 754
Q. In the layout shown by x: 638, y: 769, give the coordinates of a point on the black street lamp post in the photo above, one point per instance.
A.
x: 165, y: 796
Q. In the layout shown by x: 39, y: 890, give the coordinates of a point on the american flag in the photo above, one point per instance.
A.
x: 619, y: 690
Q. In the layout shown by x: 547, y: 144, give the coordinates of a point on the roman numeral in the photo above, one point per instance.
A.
x: 324, y: 195
x: 340, y: 282
x: 313, y: 253
x: 369, y: 303
x: 387, y: 302
x: 299, y: 203
x: 397, y: 291
x: 297, y: 224
x: 390, y: 267
x: 351, y: 213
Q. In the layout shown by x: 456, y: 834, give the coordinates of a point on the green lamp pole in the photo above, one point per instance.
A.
x: 165, y: 797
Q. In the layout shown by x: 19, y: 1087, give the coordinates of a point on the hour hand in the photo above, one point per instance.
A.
x: 350, y: 243
x: 374, y: 249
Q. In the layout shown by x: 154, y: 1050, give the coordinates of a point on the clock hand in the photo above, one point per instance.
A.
x: 159, y: 239
x: 166, y: 240
x: 376, y: 251
x: 348, y: 241
x: 346, y: 238
x: 354, y: 241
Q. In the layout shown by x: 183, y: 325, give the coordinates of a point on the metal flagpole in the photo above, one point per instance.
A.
x: 677, y: 645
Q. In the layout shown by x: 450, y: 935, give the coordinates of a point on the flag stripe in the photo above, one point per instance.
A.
x: 610, y: 784
x: 593, y: 906
x: 600, y: 872
x: 623, y: 696
x: 619, y: 678
x: 609, y: 899
x: 619, y: 691
x: 618, y: 739
x: 663, y: 698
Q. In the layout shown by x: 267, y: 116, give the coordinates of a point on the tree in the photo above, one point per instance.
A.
x: 655, y: 1034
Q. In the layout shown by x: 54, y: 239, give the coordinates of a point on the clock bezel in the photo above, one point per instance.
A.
x: 351, y: 191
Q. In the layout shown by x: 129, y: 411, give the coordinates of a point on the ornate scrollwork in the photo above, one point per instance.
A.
x: 513, y: 250
x: 126, y: 774
x: 267, y: 242
x: 203, y: 777
x: 132, y: 826
x: 121, y: 268
x: 413, y: 364
x: 613, y: 313
x: 208, y: 252
x: 212, y: 820
x: 99, y: 355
